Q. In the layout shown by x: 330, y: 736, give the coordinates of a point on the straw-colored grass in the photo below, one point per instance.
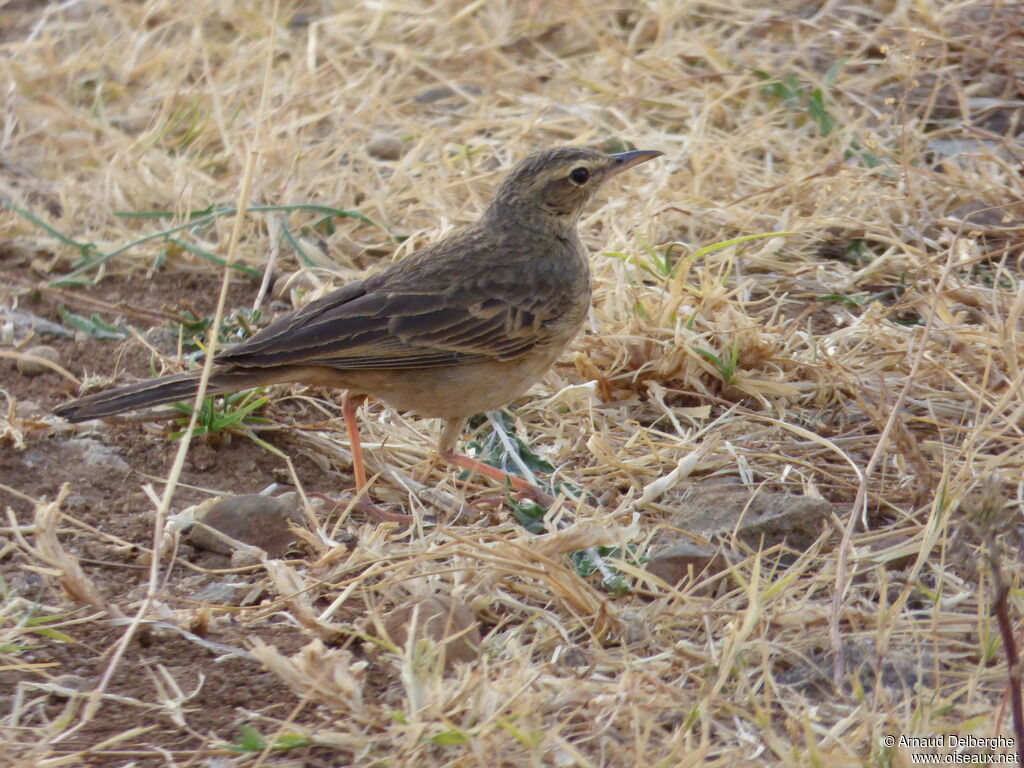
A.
x: 869, y: 353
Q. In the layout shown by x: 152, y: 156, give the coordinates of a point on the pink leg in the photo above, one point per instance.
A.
x: 349, y: 404
x: 446, y: 448
x: 504, y: 478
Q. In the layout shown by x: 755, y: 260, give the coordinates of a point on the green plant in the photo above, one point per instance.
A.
x: 801, y: 97
x: 236, y: 327
x: 585, y: 565
x: 502, y: 448
x: 665, y: 264
x: 850, y: 302
x: 726, y: 363
x: 220, y: 413
x: 490, y: 449
x: 93, y: 325
x: 814, y: 102
x: 90, y: 257
x: 251, y: 740
x: 23, y: 623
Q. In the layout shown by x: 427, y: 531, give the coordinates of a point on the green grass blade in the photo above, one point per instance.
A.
x: 212, y: 258
x: 736, y: 241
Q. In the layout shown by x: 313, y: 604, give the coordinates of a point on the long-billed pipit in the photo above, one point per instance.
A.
x: 459, y: 327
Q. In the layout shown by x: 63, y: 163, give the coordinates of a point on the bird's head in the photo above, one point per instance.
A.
x: 555, y: 184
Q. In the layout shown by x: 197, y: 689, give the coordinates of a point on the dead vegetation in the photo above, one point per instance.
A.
x: 817, y: 291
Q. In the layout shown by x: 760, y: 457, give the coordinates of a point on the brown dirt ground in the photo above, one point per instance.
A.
x: 225, y: 694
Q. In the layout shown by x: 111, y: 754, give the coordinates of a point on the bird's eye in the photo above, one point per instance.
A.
x: 579, y: 175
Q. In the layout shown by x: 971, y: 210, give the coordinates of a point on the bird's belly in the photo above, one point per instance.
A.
x: 452, y: 391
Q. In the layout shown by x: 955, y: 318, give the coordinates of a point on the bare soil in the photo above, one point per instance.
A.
x: 218, y: 695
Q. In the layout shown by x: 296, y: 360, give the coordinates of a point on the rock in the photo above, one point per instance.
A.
x: 164, y: 338
x: 220, y: 592
x: 202, y: 456
x: 676, y: 562
x: 444, y: 620
x: 25, y: 583
x: 27, y: 367
x: 634, y: 627
x: 76, y: 501
x: 97, y: 455
x: 895, y: 551
x: 432, y: 95
x: 245, y: 558
x: 447, y: 96
x: 259, y: 521
x: 759, y: 519
x: 385, y: 147
x: 571, y: 657
x: 29, y: 409
x: 898, y: 671
x: 981, y: 216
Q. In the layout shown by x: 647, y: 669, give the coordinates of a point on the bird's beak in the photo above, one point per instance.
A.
x: 624, y: 160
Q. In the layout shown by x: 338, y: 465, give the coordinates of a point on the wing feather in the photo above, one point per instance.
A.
x: 369, y: 326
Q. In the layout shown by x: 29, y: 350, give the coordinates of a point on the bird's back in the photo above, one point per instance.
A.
x: 476, y: 294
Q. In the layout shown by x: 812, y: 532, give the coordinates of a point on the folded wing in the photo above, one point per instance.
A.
x: 366, y: 325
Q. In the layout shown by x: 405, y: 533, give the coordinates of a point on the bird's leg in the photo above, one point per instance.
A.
x: 349, y: 404
x: 446, y: 447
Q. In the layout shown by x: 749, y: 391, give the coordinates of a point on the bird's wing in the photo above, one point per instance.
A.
x: 371, y: 324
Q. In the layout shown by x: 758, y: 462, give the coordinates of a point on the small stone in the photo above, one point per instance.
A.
x: 163, y: 337
x: 896, y: 552
x: 246, y: 558
x: 25, y: 583
x: 634, y: 628
x: 96, y: 455
x: 448, y: 97
x: 675, y: 563
x: 759, y: 519
x: 76, y: 501
x: 571, y: 657
x: 432, y: 95
x: 202, y: 456
x: 29, y: 409
x: 219, y: 592
x: 259, y: 521
x: 27, y: 367
x: 385, y: 147
x: 445, y: 620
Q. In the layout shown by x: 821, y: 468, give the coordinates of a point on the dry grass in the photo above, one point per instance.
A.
x: 877, y: 344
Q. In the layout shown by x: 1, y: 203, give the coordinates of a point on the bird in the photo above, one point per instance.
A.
x: 459, y: 327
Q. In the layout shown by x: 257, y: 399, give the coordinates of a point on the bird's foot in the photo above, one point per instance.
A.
x: 517, y: 484
x: 364, y: 505
x: 368, y: 508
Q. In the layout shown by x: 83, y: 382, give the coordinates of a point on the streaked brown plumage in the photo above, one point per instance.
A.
x: 459, y: 327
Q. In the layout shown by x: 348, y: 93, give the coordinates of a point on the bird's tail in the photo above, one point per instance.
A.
x: 168, y: 389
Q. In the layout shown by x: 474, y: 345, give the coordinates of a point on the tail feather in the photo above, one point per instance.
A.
x: 168, y: 389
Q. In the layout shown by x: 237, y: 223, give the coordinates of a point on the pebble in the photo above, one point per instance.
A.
x: 76, y: 501
x: 677, y: 562
x: 28, y: 367
x: 767, y: 518
x: 260, y: 521
x: 100, y: 456
x: 385, y: 147
x: 219, y: 592
x: 446, y: 620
